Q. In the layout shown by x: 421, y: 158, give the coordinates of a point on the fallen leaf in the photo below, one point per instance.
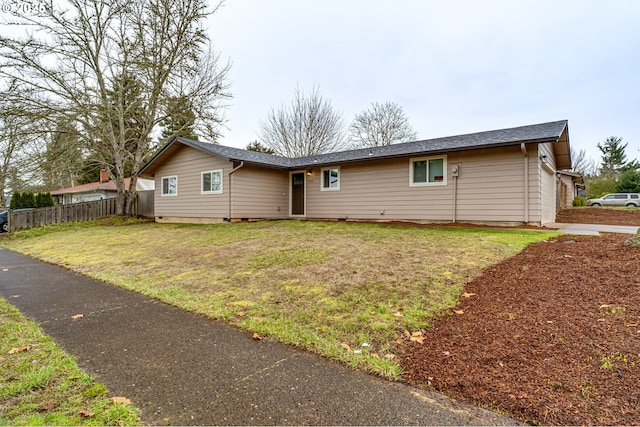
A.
x: 365, y: 344
x: 120, y: 399
x: 85, y: 414
x: 15, y: 296
x: 458, y: 311
x: 49, y: 405
x: 20, y: 349
x: 346, y: 347
x: 407, y: 333
x: 373, y: 313
x: 77, y: 316
x: 417, y: 337
x: 256, y: 336
x: 468, y: 294
x: 398, y: 313
x: 240, y: 314
x: 390, y: 356
x: 375, y: 355
x: 2, y: 359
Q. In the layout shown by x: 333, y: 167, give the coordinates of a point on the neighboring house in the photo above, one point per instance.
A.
x: 104, y: 189
x: 570, y: 185
x: 505, y: 176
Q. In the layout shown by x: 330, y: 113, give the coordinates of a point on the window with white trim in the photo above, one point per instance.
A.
x: 428, y: 171
x: 212, y: 182
x: 169, y: 185
x: 330, y: 179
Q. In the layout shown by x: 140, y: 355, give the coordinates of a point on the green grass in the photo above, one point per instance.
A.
x: 321, y: 286
x: 41, y: 385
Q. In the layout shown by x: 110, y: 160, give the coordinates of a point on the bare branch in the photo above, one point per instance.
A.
x: 308, y: 126
x: 381, y: 124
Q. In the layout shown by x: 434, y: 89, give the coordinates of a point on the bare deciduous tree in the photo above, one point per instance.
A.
x: 18, y: 146
x: 114, y: 68
x: 308, y: 126
x: 381, y: 124
x: 582, y: 164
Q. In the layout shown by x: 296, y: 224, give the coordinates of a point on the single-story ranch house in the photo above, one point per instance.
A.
x: 505, y: 176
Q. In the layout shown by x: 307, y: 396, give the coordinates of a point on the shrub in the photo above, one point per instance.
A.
x: 579, y: 201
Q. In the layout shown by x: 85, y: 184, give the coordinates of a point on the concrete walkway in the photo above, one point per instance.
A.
x: 592, y: 229
x: 183, y: 369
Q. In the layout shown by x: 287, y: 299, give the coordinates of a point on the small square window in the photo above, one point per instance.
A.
x: 212, y: 182
x: 330, y: 179
x: 169, y: 185
x: 428, y: 171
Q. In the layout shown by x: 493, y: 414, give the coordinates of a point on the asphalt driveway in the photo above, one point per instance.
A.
x: 183, y: 369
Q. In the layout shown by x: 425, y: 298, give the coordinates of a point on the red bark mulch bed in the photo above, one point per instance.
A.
x: 549, y: 336
x: 598, y: 215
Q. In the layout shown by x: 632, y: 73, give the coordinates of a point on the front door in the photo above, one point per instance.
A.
x: 297, y: 193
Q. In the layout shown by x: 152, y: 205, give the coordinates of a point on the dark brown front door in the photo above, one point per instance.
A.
x: 297, y: 193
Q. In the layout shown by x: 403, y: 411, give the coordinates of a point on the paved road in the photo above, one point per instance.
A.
x: 183, y: 369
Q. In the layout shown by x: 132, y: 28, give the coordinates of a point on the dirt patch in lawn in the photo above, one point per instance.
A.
x: 599, y: 215
x: 550, y: 336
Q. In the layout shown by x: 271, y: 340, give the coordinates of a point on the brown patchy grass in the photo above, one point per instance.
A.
x: 327, y: 287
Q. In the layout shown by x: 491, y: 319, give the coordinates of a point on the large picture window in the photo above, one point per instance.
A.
x: 212, y: 182
x: 330, y: 179
x: 428, y: 171
x: 169, y: 185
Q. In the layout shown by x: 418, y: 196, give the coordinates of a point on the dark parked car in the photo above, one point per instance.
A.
x: 4, y: 221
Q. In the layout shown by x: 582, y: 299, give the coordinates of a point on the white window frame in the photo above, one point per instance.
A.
x: 427, y: 183
x: 162, y: 193
x: 202, y: 174
x: 322, y: 187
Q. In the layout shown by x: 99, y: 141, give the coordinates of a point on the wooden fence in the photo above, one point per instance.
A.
x: 76, y: 212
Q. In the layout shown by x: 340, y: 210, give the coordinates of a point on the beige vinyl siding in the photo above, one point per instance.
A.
x: 490, y: 189
x: 547, y: 185
x: 367, y: 189
x: 188, y: 164
x: 259, y: 193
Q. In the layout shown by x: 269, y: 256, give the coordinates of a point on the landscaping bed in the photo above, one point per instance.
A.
x: 600, y: 215
x: 549, y: 336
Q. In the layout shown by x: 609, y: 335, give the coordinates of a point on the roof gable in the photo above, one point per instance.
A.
x: 538, y: 133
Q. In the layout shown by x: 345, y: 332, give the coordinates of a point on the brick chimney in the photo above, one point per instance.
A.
x: 104, y: 176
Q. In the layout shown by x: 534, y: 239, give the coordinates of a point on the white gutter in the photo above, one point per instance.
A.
x: 526, y: 182
x: 230, y: 173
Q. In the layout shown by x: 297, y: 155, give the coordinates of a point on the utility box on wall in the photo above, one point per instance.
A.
x: 455, y: 170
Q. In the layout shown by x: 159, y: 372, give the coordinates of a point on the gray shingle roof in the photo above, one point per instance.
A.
x: 538, y: 133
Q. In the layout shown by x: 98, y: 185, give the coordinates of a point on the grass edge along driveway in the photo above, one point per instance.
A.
x: 342, y: 290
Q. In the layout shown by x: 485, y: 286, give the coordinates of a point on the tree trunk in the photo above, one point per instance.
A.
x: 132, y: 195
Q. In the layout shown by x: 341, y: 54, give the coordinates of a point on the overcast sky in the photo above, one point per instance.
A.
x: 454, y: 66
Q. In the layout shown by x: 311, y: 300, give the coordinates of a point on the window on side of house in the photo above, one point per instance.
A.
x: 212, y: 182
x: 428, y: 171
x: 169, y: 185
x: 330, y: 179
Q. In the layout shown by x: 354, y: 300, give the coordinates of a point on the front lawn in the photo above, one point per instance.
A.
x: 347, y: 291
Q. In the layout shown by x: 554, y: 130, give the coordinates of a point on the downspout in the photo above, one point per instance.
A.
x: 455, y: 196
x: 230, y: 173
x: 526, y: 183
